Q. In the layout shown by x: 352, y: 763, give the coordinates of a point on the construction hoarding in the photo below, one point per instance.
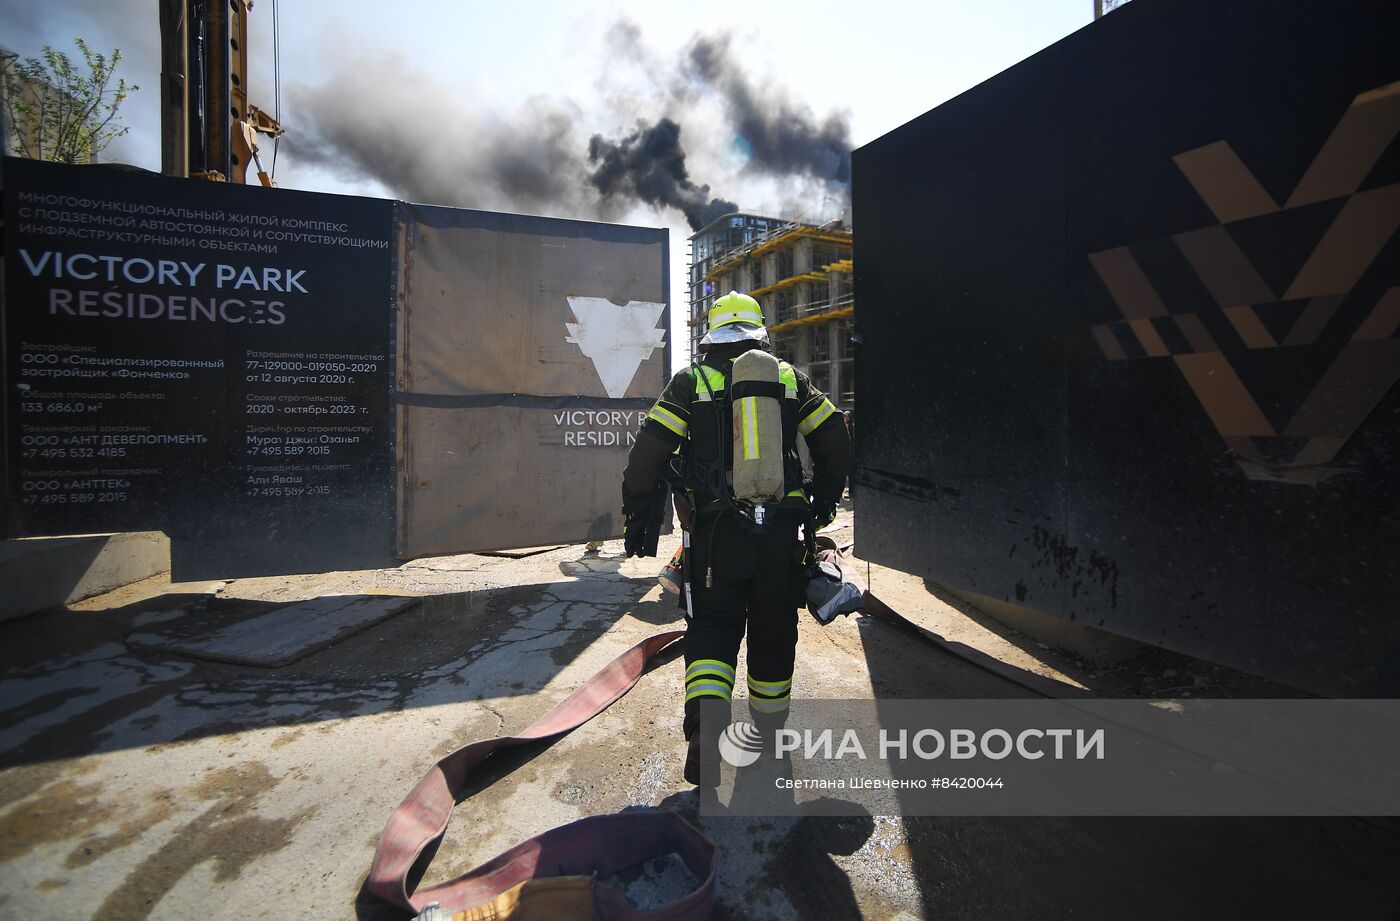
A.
x: 1129, y: 314
x: 532, y: 349
x: 238, y: 366
x: 200, y: 358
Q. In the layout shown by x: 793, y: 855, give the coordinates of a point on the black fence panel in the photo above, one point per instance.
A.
x: 1128, y: 315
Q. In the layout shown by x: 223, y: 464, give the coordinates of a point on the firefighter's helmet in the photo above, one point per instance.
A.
x: 735, y: 317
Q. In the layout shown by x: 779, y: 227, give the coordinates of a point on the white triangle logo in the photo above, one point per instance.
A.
x: 616, y: 338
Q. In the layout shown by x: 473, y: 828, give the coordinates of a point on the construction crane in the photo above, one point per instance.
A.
x: 208, y: 127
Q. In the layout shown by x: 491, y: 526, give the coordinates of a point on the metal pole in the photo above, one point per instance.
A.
x: 196, y: 81
x: 174, y: 96
x: 218, y: 125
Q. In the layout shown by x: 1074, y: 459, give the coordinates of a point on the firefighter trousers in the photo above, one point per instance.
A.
x: 755, y: 585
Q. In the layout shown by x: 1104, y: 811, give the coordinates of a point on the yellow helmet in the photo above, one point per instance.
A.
x: 735, y: 308
x: 733, y: 318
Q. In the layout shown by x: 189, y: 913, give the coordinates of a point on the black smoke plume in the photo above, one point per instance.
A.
x: 785, y: 138
x: 649, y: 165
x: 429, y: 143
x: 382, y: 117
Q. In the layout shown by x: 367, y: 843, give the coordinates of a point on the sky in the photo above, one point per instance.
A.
x: 657, y: 114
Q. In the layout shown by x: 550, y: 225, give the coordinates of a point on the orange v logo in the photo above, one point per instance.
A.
x: 1367, y: 366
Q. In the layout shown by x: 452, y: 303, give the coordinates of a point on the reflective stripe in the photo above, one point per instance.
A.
x: 770, y: 687
x: 715, y: 380
x: 816, y: 417
x: 748, y: 418
x: 708, y: 689
x: 736, y: 316
x: 788, y: 378
x: 762, y: 705
x: 714, y: 666
x: 709, y: 671
x: 669, y: 419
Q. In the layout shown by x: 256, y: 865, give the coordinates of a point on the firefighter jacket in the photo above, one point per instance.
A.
x: 693, y: 418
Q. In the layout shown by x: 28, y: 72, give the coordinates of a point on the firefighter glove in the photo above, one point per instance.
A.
x: 637, y: 514
x: 634, y: 535
x: 636, y: 503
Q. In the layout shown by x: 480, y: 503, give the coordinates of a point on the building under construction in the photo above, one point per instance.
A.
x: 801, y: 274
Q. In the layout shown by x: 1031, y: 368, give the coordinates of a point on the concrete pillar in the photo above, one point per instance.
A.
x: 833, y: 343
x: 753, y: 276
x: 802, y: 256
x: 803, y: 351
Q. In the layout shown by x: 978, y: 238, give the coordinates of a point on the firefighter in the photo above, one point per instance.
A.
x: 745, y: 566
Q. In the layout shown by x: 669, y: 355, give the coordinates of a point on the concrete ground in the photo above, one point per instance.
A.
x: 136, y: 782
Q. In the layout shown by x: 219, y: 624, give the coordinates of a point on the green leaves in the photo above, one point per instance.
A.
x: 61, y: 110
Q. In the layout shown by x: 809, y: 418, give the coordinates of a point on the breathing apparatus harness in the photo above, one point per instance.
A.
x: 755, y: 511
x: 832, y: 587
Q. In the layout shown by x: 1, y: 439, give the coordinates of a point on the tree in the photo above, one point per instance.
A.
x: 61, y: 111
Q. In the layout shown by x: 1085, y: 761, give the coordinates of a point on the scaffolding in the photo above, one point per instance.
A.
x: 801, y: 275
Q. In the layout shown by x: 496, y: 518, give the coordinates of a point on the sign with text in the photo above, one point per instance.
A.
x: 291, y: 382
x: 532, y: 349
x: 1053, y: 757
x: 214, y: 361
